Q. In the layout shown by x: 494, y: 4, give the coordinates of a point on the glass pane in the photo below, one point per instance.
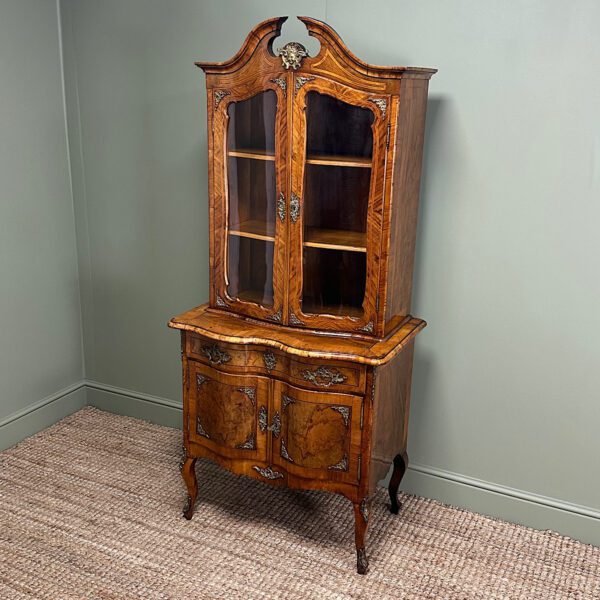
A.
x: 251, y: 189
x: 339, y: 149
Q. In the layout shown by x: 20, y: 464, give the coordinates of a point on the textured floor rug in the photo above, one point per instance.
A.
x: 91, y: 508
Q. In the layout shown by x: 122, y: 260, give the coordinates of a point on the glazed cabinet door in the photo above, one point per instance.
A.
x: 248, y: 179
x: 319, y: 433
x: 337, y: 186
x: 228, y: 413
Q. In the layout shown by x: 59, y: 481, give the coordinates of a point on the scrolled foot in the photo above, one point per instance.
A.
x: 188, y: 472
x: 400, y: 464
x: 188, y: 508
x: 362, y: 562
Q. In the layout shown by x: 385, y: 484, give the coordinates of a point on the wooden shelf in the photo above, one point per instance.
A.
x: 338, y: 161
x: 257, y: 230
x: 337, y: 310
x: 253, y: 154
x: 335, y: 239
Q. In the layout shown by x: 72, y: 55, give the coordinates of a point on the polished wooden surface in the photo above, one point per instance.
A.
x: 305, y: 392
x: 225, y: 327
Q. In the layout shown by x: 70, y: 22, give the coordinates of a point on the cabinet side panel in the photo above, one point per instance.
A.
x: 405, y: 195
x: 391, y: 411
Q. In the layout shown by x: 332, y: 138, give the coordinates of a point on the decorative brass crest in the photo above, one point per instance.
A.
x: 292, y: 55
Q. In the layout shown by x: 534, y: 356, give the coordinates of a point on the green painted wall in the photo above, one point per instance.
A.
x: 506, y: 389
x: 40, y: 331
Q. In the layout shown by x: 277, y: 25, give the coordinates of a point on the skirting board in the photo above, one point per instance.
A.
x: 501, y: 502
x: 42, y: 414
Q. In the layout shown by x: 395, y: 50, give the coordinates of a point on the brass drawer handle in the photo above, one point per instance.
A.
x: 324, y: 377
x: 215, y: 355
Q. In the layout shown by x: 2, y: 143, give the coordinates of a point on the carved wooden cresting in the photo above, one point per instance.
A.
x: 298, y: 370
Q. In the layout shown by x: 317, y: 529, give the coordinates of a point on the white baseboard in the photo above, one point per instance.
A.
x: 501, y: 502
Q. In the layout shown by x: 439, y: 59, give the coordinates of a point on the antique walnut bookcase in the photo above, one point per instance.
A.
x: 298, y: 370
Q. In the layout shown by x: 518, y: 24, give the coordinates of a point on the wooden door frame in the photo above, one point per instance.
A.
x: 376, y: 103
x: 219, y: 196
x: 261, y: 398
x: 352, y: 474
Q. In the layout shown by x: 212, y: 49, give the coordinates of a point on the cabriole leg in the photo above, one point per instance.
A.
x: 361, y: 520
x: 400, y: 464
x: 188, y: 472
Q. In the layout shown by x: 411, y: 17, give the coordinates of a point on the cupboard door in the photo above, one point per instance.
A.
x: 319, y: 434
x: 338, y: 171
x: 228, y: 413
x: 249, y: 187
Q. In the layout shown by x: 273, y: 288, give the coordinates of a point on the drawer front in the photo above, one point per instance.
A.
x: 327, y: 375
x: 314, y: 374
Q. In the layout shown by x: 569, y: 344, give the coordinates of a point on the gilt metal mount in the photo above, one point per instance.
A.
x: 292, y: 55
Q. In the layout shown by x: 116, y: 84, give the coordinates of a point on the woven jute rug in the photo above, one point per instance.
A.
x: 91, y: 508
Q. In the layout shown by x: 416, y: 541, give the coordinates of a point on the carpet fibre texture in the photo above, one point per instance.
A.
x: 91, y: 508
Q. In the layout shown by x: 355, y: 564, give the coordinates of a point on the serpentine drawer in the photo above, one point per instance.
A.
x: 308, y: 373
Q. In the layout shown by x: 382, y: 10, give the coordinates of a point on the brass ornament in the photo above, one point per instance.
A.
x: 267, y: 472
x: 215, y: 355
x: 381, y: 103
x: 292, y: 55
x: 344, y: 411
x: 282, y: 83
x: 270, y: 360
x: 323, y: 376
x: 219, y: 95
x: 300, y: 81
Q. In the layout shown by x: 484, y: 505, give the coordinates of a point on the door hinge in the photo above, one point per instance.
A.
x: 387, y: 136
x: 362, y: 412
x: 359, y: 465
x: 377, y: 303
